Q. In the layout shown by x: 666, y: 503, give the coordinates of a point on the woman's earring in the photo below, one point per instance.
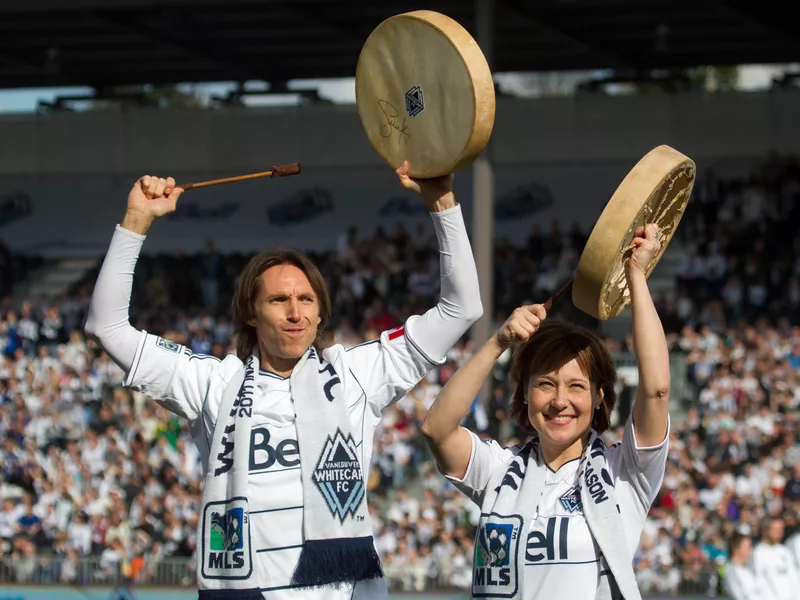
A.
x: 525, y: 402
x: 597, y: 407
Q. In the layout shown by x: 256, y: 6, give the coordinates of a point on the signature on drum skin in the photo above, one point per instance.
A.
x: 391, y: 113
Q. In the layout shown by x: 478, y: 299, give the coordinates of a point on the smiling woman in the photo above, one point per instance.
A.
x: 561, y: 516
x: 564, y: 383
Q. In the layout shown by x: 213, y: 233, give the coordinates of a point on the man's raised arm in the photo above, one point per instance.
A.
x: 108, y: 322
x: 459, y: 306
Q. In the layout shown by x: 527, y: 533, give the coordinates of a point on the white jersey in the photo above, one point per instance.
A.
x: 562, y: 559
x: 742, y: 583
x: 192, y: 385
x: 775, y: 565
x: 793, y: 544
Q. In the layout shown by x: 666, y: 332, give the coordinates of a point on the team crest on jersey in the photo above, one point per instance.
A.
x: 338, y: 475
x: 226, y: 540
x: 572, y: 500
x: 168, y: 345
x: 496, y: 554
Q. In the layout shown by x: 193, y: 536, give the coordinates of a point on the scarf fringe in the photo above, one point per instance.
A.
x: 337, y: 561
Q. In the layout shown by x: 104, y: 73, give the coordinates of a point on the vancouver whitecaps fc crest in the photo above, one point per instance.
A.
x: 338, y: 475
x: 571, y: 501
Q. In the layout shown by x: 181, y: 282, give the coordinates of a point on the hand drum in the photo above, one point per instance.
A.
x: 656, y: 191
x: 425, y: 93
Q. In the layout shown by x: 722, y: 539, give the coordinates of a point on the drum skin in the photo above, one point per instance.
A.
x: 656, y: 190
x: 425, y: 94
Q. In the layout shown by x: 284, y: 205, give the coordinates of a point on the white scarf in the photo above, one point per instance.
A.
x: 338, y: 546
x: 510, y: 500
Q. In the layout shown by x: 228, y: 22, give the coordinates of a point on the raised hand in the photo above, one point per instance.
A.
x: 150, y: 198
x: 645, y: 247
x: 521, y: 325
x: 437, y: 192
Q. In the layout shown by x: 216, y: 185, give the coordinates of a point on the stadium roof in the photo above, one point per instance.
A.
x: 112, y: 42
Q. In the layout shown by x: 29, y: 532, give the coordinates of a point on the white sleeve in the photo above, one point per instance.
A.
x: 793, y: 544
x: 643, y: 467
x: 389, y: 367
x: 161, y: 369
x: 172, y: 375
x: 459, y: 306
x: 108, y: 321
x: 485, y: 457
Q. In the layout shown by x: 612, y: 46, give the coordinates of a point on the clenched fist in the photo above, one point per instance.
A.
x: 521, y: 325
x: 149, y: 199
x: 645, y: 247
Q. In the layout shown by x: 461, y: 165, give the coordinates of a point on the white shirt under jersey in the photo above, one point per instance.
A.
x: 192, y: 385
x: 775, y: 565
x: 562, y: 560
x: 741, y: 583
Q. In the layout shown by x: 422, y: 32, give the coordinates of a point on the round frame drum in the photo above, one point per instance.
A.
x: 656, y: 190
x: 425, y: 93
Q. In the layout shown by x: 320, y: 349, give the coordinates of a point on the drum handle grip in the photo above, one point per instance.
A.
x: 561, y: 291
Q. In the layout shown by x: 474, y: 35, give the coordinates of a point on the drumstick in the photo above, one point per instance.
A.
x: 279, y: 171
x: 561, y: 291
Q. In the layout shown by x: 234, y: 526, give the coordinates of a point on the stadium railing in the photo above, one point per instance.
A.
x: 179, y: 573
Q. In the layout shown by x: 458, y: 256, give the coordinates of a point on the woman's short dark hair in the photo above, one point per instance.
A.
x: 553, y: 345
x: 247, y: 290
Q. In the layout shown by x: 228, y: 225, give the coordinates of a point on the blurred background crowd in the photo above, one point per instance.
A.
x: 92, y: 469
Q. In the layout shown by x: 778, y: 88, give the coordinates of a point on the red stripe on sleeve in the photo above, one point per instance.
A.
x: 397, y: 333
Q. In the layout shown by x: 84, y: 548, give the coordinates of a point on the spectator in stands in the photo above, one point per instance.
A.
x: 774, y: 563
x: 739, y: 579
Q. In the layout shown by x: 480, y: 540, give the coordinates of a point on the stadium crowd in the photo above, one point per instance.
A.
x: 90, y: 468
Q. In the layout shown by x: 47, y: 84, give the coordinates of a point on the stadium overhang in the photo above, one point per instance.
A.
x: 104, y: 43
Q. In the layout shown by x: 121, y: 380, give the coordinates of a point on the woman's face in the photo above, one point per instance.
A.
x: 561, y: 405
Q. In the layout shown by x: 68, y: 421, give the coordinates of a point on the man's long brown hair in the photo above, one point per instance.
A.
x: 246, y: 292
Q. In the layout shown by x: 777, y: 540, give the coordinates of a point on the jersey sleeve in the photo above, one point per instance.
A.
x: 644, y: 467
x: 172, y: 375
x: 389, y: 367
x: 485, y: 457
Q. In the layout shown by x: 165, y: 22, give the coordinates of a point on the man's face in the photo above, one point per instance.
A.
x: 286, y: 313
x: 776, y: 531
x: 745, y: 549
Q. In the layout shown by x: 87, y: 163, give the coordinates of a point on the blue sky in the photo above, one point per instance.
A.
x: 752, y: 77
x: 26, y: 100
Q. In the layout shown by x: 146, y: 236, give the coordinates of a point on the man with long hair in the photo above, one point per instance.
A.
x: 285, y: 426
